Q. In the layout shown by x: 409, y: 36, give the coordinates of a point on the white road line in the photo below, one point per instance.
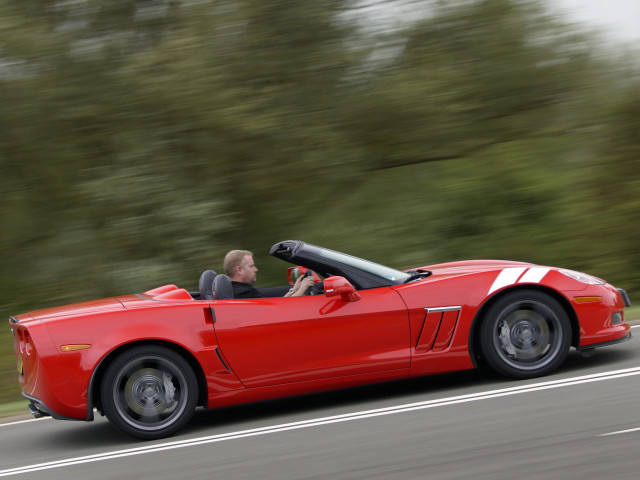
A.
x: 598, y: 377
x: 18, y: 422
x: 620, y: 432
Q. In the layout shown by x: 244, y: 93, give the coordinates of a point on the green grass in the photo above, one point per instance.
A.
x: 13, y: 409
x: 632, y: 313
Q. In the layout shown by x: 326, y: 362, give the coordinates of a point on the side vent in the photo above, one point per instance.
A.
x: 437, y: 329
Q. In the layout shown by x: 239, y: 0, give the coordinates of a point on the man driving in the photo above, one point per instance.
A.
x: 241, y: 269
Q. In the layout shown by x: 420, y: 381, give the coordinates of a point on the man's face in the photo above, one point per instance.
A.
x: 248, y: 270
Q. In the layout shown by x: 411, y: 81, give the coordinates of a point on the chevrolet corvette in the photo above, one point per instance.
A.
x: 147, y: 360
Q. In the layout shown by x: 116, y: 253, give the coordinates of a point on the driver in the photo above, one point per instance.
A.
x: 241, y: 269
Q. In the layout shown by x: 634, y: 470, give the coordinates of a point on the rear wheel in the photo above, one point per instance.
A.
x: 149, y: 392
x: 525, y: 334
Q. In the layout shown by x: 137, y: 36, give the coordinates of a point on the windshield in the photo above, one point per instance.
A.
x: 387, y: 273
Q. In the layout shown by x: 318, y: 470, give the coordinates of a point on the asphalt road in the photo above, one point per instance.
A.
x: 582, y: 422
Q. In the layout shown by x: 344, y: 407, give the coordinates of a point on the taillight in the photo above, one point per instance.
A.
x: 28, y: 346
x: 24, y: 342
x: 20, y: 337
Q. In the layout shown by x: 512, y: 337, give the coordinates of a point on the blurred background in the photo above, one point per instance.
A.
x: 141, y: 140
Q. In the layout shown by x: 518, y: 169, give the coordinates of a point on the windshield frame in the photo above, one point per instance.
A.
x: 391, y: 274
x: 363, y: 274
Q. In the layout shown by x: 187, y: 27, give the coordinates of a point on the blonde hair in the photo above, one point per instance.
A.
x: 234, y: 259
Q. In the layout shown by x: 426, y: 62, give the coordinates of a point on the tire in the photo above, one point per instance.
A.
x: 149, y: 392
x: 525, y: 334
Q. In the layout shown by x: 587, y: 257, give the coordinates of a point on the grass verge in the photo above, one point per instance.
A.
x: 14, y: 409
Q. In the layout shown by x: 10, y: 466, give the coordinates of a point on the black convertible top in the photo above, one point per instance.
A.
x: 363, y: 274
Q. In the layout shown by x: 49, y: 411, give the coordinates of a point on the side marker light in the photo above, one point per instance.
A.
x: 587, y: 299
x: 73, y: 348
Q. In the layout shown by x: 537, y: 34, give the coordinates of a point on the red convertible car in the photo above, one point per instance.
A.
x: 146, y: 361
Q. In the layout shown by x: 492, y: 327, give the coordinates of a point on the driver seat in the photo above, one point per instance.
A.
x: 222, y: 288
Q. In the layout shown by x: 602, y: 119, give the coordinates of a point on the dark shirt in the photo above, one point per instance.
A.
x: 244, y: 290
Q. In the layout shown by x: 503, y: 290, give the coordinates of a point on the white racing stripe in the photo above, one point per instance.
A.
x: 563, y: 383
x: 534, y: 275
x: 513, y: 275
x: 506, y: 277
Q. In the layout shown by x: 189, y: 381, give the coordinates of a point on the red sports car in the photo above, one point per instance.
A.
x: 146, y: 361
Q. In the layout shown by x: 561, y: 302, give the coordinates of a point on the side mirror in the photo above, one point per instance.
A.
x: 334, y: 286
x: 293, y: 273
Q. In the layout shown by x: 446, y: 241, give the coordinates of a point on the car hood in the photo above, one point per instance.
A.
x: 469, y: 266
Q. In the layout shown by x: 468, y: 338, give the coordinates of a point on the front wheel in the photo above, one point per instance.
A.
x: 525, y: 334
x: 149, y: 392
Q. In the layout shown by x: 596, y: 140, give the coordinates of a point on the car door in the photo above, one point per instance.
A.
x: 271, y: 341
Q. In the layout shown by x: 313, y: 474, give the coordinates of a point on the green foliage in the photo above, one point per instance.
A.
x: 143, y: 139
x: 468, y: 78
x: 613, y: 212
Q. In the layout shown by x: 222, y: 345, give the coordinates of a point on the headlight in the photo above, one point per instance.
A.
x: 582, y: 277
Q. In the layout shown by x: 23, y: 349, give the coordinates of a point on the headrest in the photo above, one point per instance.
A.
x: 222, y: 288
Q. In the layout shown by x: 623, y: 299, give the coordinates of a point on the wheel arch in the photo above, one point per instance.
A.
x: 475, y: 351
x: 93, y: 392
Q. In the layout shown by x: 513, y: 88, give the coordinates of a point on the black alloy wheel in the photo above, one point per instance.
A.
x: 525, y: 334
x: 149, y: 392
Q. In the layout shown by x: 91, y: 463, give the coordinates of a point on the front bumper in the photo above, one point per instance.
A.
x: 604, y: 344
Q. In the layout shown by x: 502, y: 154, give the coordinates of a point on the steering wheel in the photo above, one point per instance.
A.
x: 316, y: 288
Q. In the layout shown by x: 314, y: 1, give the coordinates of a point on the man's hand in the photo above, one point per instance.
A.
x: 301, y: 286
